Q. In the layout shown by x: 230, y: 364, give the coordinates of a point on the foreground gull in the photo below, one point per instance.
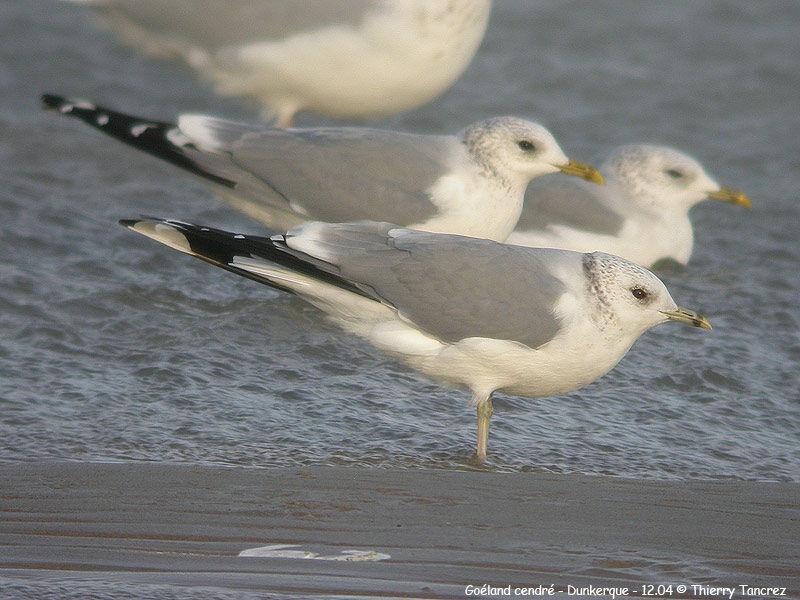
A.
x: 342, y: 58
x: 471, y: 184
x: 467, y: 312
x: 642, y: 214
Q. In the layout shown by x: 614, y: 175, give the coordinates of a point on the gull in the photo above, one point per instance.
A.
x: 470, y: 184
x: 467, y: 312
x: 642, y: 214
x: 341, y: 58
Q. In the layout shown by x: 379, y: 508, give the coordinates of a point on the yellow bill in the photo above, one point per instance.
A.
x: 689, y: 317
x: 733, y: 196
x: 573, y: 167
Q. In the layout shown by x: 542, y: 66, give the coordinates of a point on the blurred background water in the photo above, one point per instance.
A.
x: 115, y: 348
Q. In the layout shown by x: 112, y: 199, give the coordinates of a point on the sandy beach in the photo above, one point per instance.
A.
x: 409, y: 534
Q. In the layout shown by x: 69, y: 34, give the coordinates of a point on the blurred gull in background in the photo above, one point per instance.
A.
x: 642, y: 214
x: 471, y: 184
x: 340, y: 58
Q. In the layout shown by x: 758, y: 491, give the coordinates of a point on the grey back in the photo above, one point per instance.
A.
x: 334, y: 174
x: 454, y: 287
x: 216, y: 24
x: 566, y: 202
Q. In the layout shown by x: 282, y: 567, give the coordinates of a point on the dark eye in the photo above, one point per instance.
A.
x: 526, y: 145
x: 674, y: 173
x: 639, y: 293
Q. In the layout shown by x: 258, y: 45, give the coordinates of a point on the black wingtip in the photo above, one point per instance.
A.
x: 220, y: 248
x: 52, y: 102
x: 147, y: 135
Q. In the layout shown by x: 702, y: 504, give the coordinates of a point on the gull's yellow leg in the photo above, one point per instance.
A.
x: 484, y: 416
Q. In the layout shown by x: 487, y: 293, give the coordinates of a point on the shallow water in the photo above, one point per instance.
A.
x: 116, y: 348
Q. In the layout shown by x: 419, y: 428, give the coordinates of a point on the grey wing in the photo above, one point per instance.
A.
x: 571, y: 203
x: 451, y: 287
x: 216, y: 24
x: 346, y: 174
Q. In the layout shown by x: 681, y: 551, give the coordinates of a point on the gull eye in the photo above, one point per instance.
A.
x: 639, y: 293
x: 674, y: 173
x: 526, y: 145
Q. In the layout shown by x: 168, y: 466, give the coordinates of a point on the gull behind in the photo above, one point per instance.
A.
x: 642, y: 214
x: 341, y: 58
x: 469, y: 184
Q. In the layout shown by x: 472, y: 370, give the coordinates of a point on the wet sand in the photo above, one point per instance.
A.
x: 140, y: 526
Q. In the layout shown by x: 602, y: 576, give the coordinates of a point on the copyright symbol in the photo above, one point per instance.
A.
x: 681, y: 589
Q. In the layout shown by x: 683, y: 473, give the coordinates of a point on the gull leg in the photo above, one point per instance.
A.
x: 485, y: 411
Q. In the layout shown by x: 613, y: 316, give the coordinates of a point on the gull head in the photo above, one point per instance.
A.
x: 517, y: 150
x: 662, y: 177
x: 628, y: 299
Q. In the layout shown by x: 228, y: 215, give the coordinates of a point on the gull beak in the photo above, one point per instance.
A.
x: 573, y: 167
x: 728, y: 195
x: 687, y: 316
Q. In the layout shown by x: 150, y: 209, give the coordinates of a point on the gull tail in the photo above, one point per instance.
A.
x: 158, y: 138
x: 267, y: 260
